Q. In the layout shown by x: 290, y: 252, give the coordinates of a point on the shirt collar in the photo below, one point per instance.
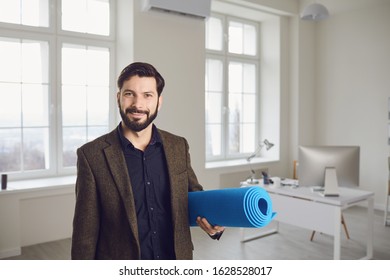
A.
x: 156, y: 139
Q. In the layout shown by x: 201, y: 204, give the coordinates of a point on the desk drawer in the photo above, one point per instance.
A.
x: 305, y: 213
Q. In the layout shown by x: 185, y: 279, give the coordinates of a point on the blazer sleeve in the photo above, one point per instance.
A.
x: 86, y: 216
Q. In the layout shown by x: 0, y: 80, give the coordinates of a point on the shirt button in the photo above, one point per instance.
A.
x: 151, y: 208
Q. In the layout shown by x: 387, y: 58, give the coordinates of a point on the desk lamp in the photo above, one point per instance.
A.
x: 268, y: 145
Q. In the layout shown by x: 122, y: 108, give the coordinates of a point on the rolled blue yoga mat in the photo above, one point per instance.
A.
x: 232, y: 207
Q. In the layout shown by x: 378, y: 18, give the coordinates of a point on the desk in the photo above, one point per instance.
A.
x: 303, y: 208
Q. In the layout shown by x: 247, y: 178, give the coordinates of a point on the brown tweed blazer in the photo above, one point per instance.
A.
x: 105, y: 222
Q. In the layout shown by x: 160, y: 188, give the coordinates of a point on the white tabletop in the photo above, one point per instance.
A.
x: 347, y: 195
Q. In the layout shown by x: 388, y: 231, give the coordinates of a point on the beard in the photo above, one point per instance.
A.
x: 137, y: 125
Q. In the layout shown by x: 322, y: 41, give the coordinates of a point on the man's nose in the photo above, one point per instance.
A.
x: 138, y: 101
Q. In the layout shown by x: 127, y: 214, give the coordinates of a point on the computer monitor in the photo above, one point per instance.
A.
x: 342, y: 162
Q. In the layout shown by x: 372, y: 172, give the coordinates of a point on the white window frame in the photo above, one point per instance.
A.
x: 55, y: 37
x: 112, y: 101
x: 226, y: 57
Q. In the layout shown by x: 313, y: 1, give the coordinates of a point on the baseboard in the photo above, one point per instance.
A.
x: 10, y: 253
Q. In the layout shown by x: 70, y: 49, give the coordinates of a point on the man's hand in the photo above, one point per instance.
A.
x: 215, y: 232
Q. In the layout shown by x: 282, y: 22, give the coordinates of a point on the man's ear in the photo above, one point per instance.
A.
x: 118, y: 95
x: 160, y: 101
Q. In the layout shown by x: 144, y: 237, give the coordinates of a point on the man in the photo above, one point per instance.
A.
x: 132, y: 183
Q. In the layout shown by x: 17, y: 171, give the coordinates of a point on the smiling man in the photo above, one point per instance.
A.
x: 133, y: 183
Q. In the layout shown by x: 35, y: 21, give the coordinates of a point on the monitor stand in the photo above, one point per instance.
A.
x: 331, y: 187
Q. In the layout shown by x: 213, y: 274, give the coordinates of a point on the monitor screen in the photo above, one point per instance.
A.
x: 313, y: 160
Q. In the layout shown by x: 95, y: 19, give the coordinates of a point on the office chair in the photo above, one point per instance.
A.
x: 295, y: 177
x: 387, y: 220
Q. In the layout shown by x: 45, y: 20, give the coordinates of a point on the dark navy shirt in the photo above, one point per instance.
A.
x: 151, y: 189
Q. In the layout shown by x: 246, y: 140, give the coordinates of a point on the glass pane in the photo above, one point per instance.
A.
x: 213, y: 107
x: 10, y: 105
x: 35, y: 12
x: 74, y: 65
x: 74, y: 105
x: 74, y: 15
x: 214, y: 34
x: 35, y: 100
x: 235, y: 37
x: 234, y: 138
x: 98, y: 67
x: 250, y: 44
x: 242, y: 38
x: 247, y: 138
x: 10, y: 150
x: 73, y: 138
x: 249, y: 78
x: 249, y: 108
x: 98, y: 17
x: 214, y: 75
x: 36, y: 148
x: 35, y: 62
x: 97, y: 108
x: 86, y: 16
x: 96, y: 131
x: 10, y: 66
x: 213, y: 140
x: 235, y: 108
x: 235, y: 77
x: 26, y: 12
x: 10, y: 11
x: 82, y: 65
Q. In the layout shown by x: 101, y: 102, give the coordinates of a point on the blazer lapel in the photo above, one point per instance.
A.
x: 118, y: 168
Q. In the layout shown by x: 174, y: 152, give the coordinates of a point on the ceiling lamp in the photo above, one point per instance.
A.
x: 315, y: 12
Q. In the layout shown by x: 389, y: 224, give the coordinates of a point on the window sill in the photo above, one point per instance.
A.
x: 39, y: 184
x: 237, y: 162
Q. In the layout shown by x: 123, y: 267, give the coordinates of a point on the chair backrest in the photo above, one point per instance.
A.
x: 388, y: 185
x: 295, y: 170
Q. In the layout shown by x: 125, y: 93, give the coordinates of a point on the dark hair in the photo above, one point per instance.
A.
x: 141, y: 69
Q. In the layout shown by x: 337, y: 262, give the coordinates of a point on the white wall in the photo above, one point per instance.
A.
x: 35, y: 212
x: 350, y: 88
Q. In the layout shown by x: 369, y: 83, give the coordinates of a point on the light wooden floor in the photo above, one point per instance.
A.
x: 291, y: 243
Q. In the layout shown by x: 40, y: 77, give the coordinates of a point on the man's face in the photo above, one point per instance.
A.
x: 138, y: 102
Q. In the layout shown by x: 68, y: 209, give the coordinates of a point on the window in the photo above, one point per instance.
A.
x: 232, y: 98
x: 24, y: 106
x: 55, y: 83
x: 25, y: 12
x: 85, y: 78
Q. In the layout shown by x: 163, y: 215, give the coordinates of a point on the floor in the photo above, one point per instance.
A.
x: 290, y: 243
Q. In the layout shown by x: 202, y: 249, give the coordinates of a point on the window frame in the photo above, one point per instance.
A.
x: 51, y: 113
x: 226, y: 57
x: 56, y: 37
x: 59, y: 126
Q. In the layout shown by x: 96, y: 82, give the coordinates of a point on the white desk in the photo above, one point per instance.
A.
x: 303, y: 208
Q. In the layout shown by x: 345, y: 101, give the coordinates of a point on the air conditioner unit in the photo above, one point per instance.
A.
x: 196, y: 8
